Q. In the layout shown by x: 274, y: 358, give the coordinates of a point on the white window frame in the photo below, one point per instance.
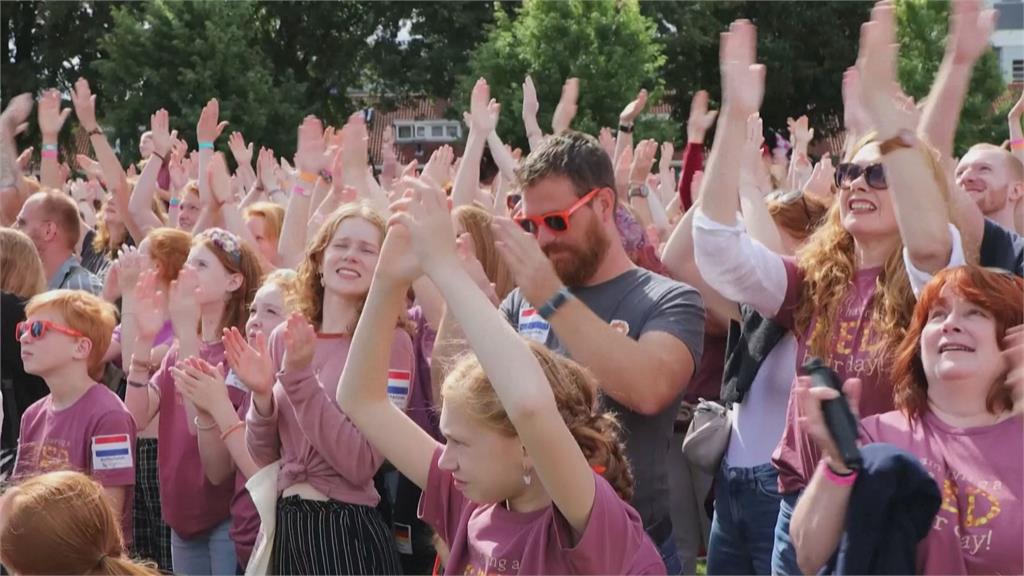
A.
x: 427, y: 128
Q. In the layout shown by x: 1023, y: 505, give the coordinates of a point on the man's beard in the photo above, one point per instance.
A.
x: 581, y: 264
x: 993, y: 200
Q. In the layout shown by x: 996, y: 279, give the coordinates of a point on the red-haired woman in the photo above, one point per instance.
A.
x: 955, y: 411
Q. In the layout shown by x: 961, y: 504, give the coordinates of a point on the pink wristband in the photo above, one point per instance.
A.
x: 836, y: 479
x: 300, y: 191
x: 1017, y: 143
x: 48, y: 153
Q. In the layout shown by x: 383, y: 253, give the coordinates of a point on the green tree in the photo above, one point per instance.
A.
x: 177, y: 55
x: 607, y: 44
x: 922, y: 28
x: 806, y: 46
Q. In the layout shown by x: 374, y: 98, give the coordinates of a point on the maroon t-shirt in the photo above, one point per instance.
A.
x: 491, y: 539
x: 245, y: 519
x: 95, y: 436
x: 854, y: 352
x: 980, y: 471
x: 190, y: 504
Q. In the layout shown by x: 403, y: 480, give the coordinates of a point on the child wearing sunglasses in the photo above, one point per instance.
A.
x: 81, y: 425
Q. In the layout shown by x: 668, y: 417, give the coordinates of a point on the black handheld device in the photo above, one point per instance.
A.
x: 842, y: 424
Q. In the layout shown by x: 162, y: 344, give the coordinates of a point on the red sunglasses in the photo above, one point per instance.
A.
x: 557, y: 221
x: 39, y: 328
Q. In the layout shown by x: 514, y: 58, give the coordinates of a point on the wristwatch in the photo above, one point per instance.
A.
x: 557, y: 301
x: 96, y: 131
x: 903, y: 139
x: 638, y: 191
x: 626, y: 128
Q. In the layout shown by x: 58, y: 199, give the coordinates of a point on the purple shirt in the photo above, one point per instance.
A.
x: 490, y: 539
x: 421, y: 398
x: 245, y: 519
x: 854, y: 352
x: 164, y: 336
x: 314, y: 439
x: 190, y: 504
x: 95, y: 436
x: 980, y: 472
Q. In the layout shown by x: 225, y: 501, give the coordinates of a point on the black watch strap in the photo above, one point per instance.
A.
x: 626, y: 128
x: 557, y: 301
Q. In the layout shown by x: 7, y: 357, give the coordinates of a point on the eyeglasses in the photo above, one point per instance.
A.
x: 874, y: 175
x: 39, y: 328
x: 512, y: 200
x: 787, y: 198
x: 557, y: 221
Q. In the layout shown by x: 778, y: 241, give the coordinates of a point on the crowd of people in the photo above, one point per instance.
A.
x: 500, y: 363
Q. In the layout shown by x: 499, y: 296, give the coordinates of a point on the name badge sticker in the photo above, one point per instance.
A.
x: 398, y: 388
x: 532, y: 326
x: 111, y: 452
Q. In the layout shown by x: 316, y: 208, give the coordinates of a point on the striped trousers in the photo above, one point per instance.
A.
x: 314, y: 537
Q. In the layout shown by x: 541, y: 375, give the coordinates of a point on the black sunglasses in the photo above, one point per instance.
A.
x: 874, y: 175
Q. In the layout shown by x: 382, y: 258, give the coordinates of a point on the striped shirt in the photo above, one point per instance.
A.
x: 71, y: 276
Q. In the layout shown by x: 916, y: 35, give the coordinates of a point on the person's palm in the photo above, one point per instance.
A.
x: 742, y: 77
x: 530, y: 103
x: 970, y: 30
x: 634, y: 108
x: 85, y: 105
x: 251, y: 362
x: 208, y: 130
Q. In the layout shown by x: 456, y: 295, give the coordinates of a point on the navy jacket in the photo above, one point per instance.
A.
x: 892, y: 507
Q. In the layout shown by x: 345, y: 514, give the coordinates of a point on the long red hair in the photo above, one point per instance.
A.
x: 999, y: 293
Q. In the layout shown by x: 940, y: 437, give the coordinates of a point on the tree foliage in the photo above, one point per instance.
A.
x: 177, y: 55
x: 607, y: 44
x: 806, y: 46
x: 922, y: 34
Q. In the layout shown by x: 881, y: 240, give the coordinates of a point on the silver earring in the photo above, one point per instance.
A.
x: 527, y: 479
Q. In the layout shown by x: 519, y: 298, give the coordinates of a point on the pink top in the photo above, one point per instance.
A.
x: 245, y: 520
x: 314, y: 439
x: 190, y: 504
x: 854, y: 352
x: 491, y: 539
x: 980, y: 471
x: 95, y: 436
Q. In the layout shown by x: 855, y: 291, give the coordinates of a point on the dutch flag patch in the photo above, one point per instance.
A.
x: 398, y: 387
x: 111, y: 452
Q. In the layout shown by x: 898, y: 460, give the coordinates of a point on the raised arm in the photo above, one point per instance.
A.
x: 628, y: 116
x: 700, y: 120
x: 530, y: 108
x: 565, y: 111
x: 921, y: 209
x: 738, y: 267
x: 511, y: 367
x: 207, y: 131
x: 481, y: 119
x: 310, y: 159
x: 114, y: 174
x: 51, y: 120
x: 640, y: 199
x: 12, y: 122
x: 970, y: 28
x: 362, y: 393
x: 243, y: 157
x: 145, y: 310
x: 140, y: 206
x: 756, y: 219
x: 1016, y: 134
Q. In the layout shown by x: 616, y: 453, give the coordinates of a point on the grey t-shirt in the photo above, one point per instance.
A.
x: 635, y: 302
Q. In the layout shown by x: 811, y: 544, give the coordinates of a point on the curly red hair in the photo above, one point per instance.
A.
x: 997, y: 292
